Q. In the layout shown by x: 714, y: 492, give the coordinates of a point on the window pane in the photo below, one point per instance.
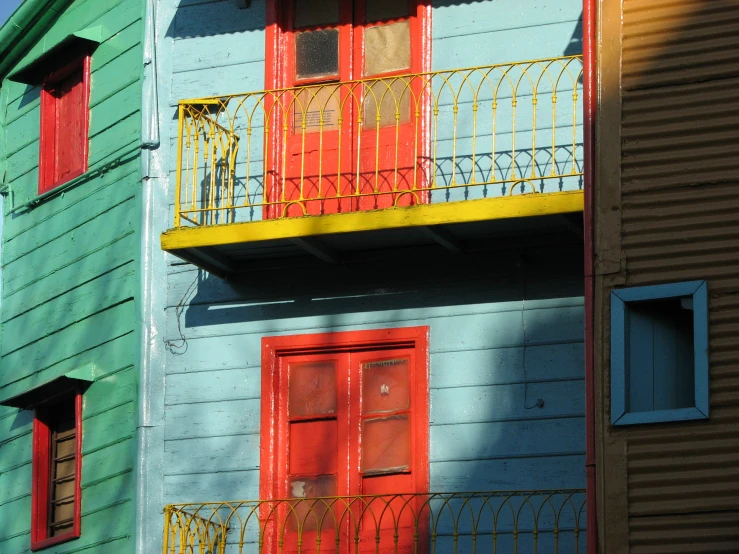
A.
x: 313, y: 447
x: 378, y: 10
x: 387, y: 48
x: 391, y: 98
x: 316, y: 12
x: 312, y: 103
x: 317, y: 54
x: 312, y: 388
x: 386, y: 444
x: 385, y: 386
x: 310, y: 515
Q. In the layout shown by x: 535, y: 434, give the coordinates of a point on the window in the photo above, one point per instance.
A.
x: 345, y: 414
x: 357, y: 145
x: 64, y: 124
x: 659, y: 353
x: 57, y: 463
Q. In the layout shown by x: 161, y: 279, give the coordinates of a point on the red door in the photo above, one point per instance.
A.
x: 348, y: 423
x: 338, y: 144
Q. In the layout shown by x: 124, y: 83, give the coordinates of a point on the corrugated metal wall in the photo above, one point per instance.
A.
x: 679, y: 200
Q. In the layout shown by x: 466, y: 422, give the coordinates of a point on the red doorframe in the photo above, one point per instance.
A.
x: 277, y: 69
x: 274, y: 348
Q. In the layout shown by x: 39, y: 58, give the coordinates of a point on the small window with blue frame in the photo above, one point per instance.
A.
x: 659, y: 353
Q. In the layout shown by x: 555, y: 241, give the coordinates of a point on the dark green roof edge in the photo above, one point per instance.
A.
x: 25, y: 28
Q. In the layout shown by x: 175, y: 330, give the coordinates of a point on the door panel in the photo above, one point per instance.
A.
x: 349, y: 146
x: 351, y: 451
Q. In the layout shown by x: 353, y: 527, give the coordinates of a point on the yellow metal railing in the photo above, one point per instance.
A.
x: 515, y: 522
x: 444, y: 136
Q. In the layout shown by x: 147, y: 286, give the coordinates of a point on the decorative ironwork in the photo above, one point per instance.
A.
x: 444, y: 136
x: 500, y: 522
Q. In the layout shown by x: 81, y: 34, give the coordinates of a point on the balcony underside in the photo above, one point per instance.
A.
x: 458, y: 226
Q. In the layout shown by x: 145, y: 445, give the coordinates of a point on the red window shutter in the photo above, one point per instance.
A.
x: 64, y: 125
x: 71, y: 130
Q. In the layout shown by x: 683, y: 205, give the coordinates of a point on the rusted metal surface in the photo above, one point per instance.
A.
x: 677, y: 186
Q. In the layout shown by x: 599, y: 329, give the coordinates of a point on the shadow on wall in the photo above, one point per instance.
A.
x: 506, y: 364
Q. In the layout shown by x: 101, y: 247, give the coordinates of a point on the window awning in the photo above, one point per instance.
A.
x: 57, y: 386
x: 33, y: 71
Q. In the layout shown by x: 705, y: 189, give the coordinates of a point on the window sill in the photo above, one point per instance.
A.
x: 45, y: 543
x: 660, y: 416
x: 61, y: 183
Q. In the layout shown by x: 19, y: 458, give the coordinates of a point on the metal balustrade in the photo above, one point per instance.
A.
x: 444, y: 136
x: 499, y: 522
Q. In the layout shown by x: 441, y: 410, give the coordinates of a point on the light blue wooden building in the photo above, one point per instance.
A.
x: 371, y: 285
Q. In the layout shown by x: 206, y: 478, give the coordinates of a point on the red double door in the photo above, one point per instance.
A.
x: 339, y: 144
x: 347, y: 424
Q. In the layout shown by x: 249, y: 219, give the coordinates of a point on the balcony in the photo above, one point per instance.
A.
x: 499, y: 522
x: 452, y: 158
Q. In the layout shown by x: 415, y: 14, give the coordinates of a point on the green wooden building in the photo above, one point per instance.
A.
x: 72, y: 79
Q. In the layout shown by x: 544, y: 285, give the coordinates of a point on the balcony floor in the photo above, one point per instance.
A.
x: 457, y: 226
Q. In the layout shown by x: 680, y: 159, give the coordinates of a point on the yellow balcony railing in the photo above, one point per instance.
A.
x: 445, y: 136
x: 544, y: 522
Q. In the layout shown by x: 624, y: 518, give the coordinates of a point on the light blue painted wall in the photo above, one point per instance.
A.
x: 218, y: 49
x: 505, y: 331
x: 501, y: 338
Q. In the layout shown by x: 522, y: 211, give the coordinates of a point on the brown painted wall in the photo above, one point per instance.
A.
x: 667, y: 209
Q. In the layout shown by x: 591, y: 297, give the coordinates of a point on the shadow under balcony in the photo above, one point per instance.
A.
x: 463, y: 159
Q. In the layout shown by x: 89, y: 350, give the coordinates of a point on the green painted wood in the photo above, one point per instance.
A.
x: 70, y: 278
x: 107, y: 464
x: 93, y: 331
x: 55, y: 255
x: 101, y: 202
x: 87, y: 268
x: 109, y: 358
x: 74, y: 199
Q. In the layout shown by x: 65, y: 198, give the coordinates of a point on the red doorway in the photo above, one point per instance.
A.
x: 343, y: 415
x: 346, y: 130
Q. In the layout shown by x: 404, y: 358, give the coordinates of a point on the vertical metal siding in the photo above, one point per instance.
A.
x: 680, y: 200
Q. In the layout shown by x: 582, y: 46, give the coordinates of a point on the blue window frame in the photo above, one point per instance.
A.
x: 659, y: 353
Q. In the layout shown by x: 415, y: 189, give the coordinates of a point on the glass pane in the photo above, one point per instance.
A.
x: 392, y: 98
x: 386, y: 444
x: 317, y: 54
x: 316, y: 12
x: 385, y: 386
x: 312, y: 103
x: 312, y: 388
x: 378, y: 10
x: 310, y: 515
x: 387, y: 48
x: 313, y: 447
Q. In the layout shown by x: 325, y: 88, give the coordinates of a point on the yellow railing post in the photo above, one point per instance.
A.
x: 178, y: 177
x: 167, y: 522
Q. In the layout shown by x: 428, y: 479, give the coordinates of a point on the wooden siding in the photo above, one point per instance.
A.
x: 69, y: 280
x: 502, y: 336
x: 677, y: 202
x: 474, y: 303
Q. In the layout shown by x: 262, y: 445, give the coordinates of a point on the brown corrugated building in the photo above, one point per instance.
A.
x: 666, y: 226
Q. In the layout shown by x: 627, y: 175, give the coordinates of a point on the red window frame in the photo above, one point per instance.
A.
x: 273, y: 457
x: 42, y: 474
x: 56, y: 116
